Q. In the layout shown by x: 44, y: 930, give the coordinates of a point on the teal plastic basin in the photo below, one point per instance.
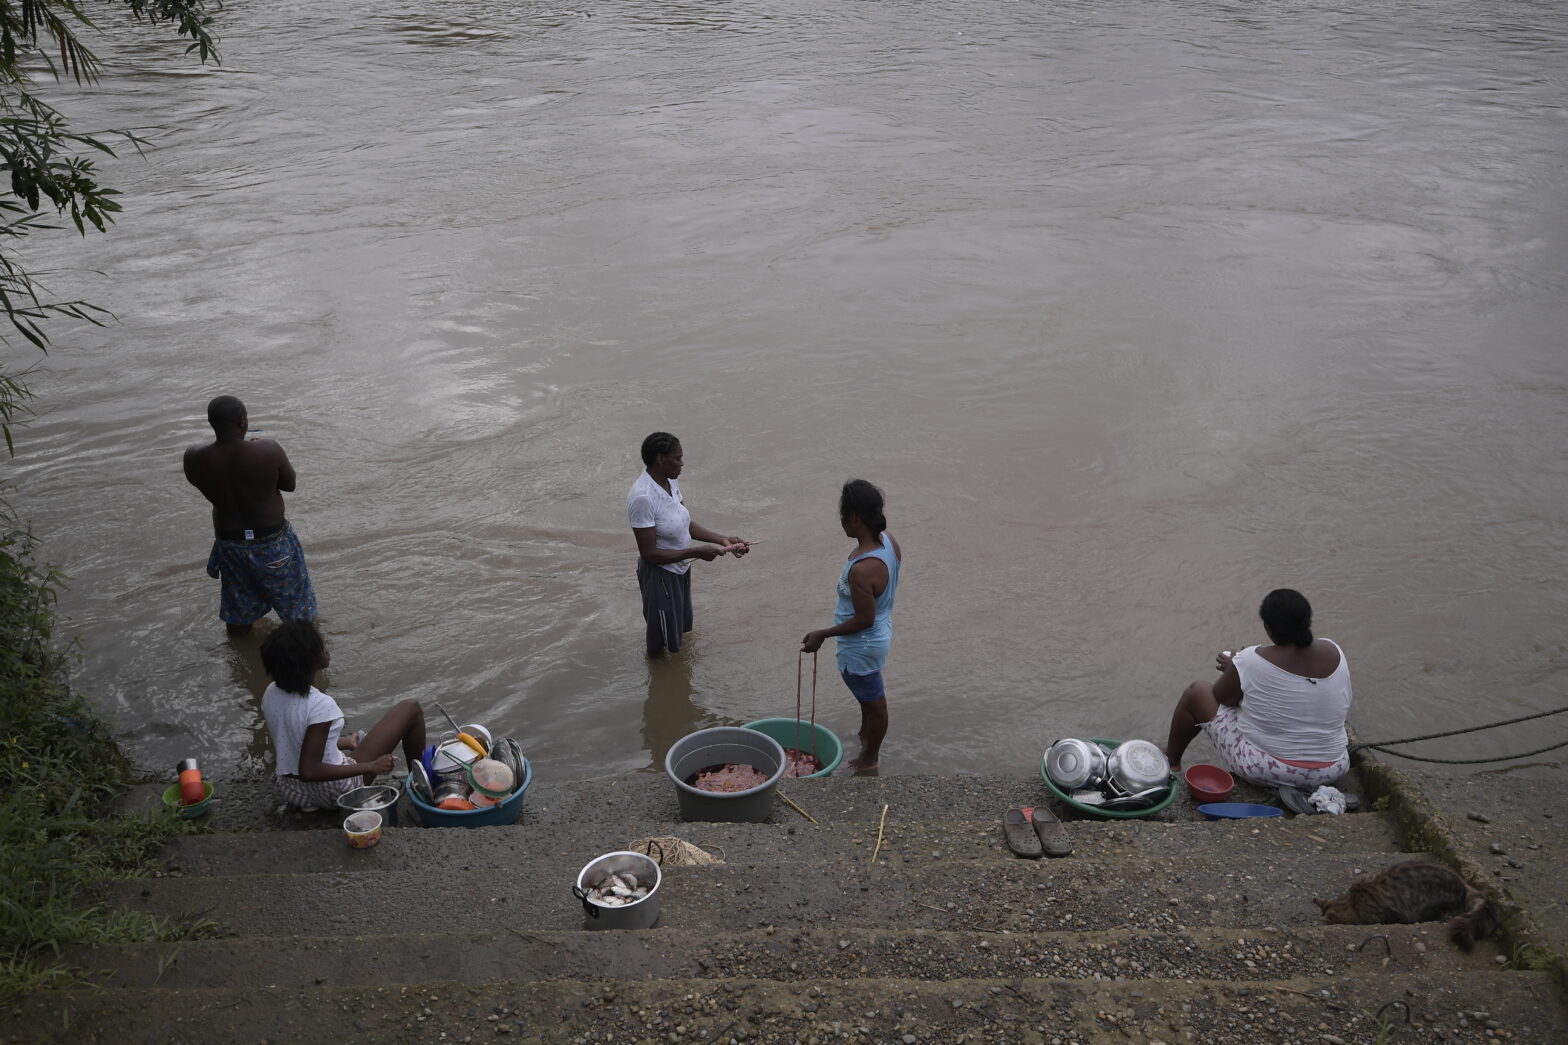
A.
x: 503, y: 812
x: 815, y: 739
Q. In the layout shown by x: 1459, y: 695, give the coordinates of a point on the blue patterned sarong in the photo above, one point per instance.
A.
x: 269, y: 574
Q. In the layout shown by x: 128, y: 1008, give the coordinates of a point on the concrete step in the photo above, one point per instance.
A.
x: 905, y: 842
x: 1453, y: 1007
x: 810, y: 954
x: 1210, y: 887
x: 651, y: 797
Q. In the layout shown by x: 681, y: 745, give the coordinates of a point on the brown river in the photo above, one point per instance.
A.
x: 1134, y: 309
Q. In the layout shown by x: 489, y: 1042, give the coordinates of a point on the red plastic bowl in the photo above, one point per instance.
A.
x: 1209, y: 783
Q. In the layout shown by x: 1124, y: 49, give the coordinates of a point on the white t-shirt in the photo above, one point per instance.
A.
x: 289, y: 715
x: 1291, y: 716
x: 648, y: 505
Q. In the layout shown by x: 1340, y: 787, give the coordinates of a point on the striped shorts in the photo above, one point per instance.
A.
x: 311, y: 795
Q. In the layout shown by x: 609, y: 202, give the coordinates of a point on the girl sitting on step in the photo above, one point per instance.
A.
x: 315, y: 763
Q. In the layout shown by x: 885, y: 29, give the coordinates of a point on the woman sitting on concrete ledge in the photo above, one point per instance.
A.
x: 1277, y: 712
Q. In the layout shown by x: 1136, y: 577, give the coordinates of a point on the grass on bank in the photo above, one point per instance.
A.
x: 59, y: 772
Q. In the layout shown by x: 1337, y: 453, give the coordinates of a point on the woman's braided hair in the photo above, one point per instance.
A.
x: 657, y: 445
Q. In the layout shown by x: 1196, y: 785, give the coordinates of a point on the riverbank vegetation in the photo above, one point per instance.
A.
x: 59, y: 772
x: 59, y: 767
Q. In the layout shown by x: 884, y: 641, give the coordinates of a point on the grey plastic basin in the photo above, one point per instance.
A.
x: 719, y: 746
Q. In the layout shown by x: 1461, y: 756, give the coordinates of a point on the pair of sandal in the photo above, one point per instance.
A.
x: 1033, y: 831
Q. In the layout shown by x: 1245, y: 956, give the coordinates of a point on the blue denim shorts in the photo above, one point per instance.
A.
x: 866, y: 688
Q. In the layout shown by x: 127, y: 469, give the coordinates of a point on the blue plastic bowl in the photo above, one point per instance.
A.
x: 1238, y: 810
x: 503, y: 812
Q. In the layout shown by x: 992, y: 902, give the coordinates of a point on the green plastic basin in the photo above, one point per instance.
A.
x: 1109, y: 814
x: 815, y: 739
x: 171, y: 798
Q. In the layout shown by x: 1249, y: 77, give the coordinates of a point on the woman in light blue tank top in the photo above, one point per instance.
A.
x: 863, y: 616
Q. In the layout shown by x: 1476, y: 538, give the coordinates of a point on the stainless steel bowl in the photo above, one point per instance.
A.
x: 376, y: 798
x: 1075, y: 764
x: 1136, y: 766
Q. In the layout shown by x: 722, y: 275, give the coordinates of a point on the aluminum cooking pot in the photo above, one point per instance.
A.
x: 639, y: 914
x: 1075, y: 764
x: 1136, y: 766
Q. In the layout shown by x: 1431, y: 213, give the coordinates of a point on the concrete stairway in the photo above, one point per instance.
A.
x: 1174, y: 930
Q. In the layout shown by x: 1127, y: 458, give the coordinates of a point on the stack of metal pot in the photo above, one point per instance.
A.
x: 1135, y: 775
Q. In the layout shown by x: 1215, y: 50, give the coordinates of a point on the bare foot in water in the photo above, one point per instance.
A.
x: 861, y: 764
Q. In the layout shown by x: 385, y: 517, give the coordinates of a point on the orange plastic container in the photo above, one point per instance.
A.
x: 191, y: 790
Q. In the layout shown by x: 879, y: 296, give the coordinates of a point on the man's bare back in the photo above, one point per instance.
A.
x: 244, y: 480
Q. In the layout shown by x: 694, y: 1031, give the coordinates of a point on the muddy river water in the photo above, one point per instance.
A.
x: 1136, y: 310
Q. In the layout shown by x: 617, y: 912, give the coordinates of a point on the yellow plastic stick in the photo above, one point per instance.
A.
x: 797, y: 808
x: 880, y: 825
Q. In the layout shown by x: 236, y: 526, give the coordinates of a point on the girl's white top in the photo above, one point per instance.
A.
x: 289, y: 715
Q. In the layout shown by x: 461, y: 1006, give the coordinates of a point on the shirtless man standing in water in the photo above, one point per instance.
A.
x: 255, y: 553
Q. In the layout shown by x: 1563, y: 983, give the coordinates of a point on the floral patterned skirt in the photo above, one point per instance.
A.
x: 1257, y: 766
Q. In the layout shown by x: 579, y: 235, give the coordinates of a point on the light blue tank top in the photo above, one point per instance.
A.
x: 865, y: 652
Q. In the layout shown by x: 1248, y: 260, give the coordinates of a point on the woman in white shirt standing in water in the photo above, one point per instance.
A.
x: 665, y: 531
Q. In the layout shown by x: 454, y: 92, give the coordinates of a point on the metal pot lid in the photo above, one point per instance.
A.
x: 419, y: 782
x: 1072, y: 763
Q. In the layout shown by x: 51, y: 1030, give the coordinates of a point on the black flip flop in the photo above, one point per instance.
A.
x: 1020, y: 834
x: 1053, y: 837
x: 1295, y: 800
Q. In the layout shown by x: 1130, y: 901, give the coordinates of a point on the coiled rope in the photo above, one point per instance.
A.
x: 1384, y: 745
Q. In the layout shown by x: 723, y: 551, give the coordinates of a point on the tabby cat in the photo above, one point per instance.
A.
x: 1416, y: 891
